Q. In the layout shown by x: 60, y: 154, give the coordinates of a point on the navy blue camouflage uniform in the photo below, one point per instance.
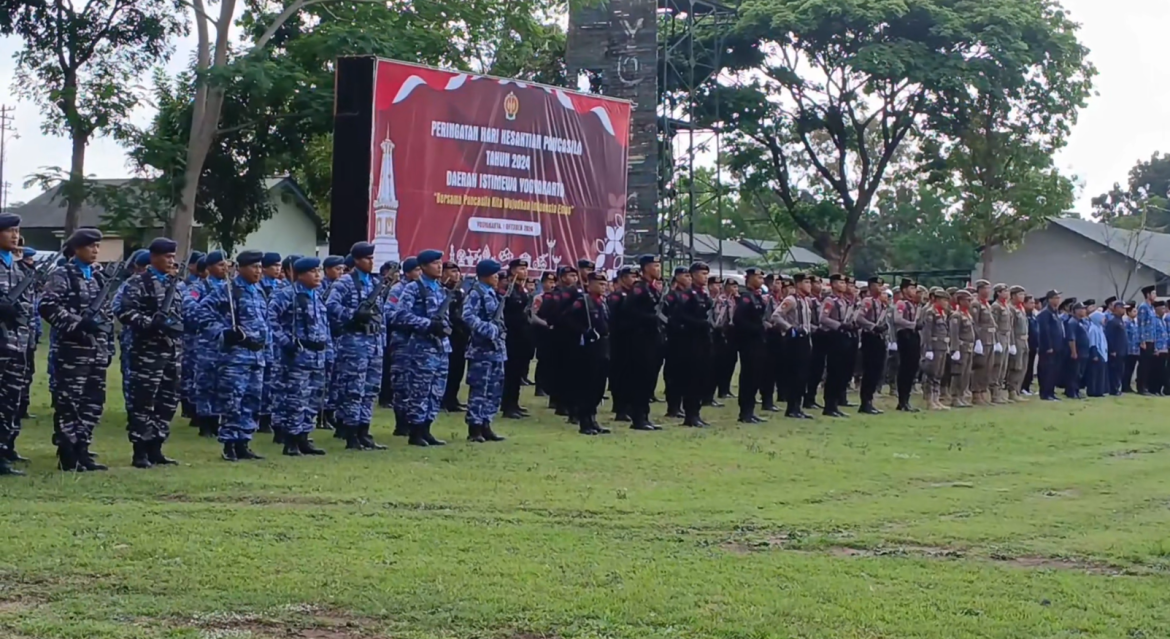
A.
x: 425, y: 354
x: 486, y: 354
x: 301, y: 339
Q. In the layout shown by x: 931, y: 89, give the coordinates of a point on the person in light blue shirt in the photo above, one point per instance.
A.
x: 1095, y: 380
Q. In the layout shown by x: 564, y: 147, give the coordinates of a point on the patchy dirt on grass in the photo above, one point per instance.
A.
x: 1131, y: 453
x: 310, y: 622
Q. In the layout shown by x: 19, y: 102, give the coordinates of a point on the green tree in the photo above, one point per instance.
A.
x: 80, y: 65
x: 1143, y: 202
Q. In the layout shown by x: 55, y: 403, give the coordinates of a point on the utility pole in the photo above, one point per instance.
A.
x: 6, y: 119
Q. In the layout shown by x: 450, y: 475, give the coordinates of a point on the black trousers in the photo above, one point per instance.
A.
x: 456, y: 367
x: 619, y: 375
x: 1050, y: 365
x: 1131, y: 362
x: 793, y: 371
x: 816, y: 368
x: 909, y: 353
x: 592, y: 364
x: 725, y: 365
x: 673, y: 370
x: 1145, y: 369
x: 839, y: 358
x: 643, y: 365
x: 695, y: 373
x: 751, y: 362
x: 1030, y: 368
x: 514, y: 368
x: 1117, y: 365
x: 1074, y: 370
x: 873, y: 364
x: 769, y: 387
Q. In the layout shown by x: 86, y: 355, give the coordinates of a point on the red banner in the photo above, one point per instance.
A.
x: 481, y: 167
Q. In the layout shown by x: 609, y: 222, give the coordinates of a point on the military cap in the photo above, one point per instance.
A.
x: 1159, y: 303
x: 561, y: 270
x: 998, y: 288
x: 1066, y: 303
x: 625, y: 270
x: 680, y: 270
x: 201, y: 265
x: 594, y: 276
x: 486, y: 268
x: 643, y: 260
x: 715, y: 279
x: 752, y: 271
x: 517, y: 263
x: 409, y: 264
x: 700, y: 266
x: 875, y: 280
x: 504, y: 274
x: 962, y: 295
x: 428, y: 256
x: 1129, y: 306
x: 1117, y: 303
x: 797, y: 278
x: 84, y: 237
x: 1016, y: 289
x: 361, y: 250
x: 1071, y: 300
x: 195, y: 257
x: 348, y: 262
x: 907, y: 283
x: 548, y: 276
x: 1051, y: 294
x: 731, y: 282
x: 769, y: 278
x: 939, y: 292
x: 816, y: 279
x: 270, y: 259
x: 332, y: 261
x: 141, y: 257
x: 305, y: 264
x: 980, y: 284
x: 1109, y: 301
x: 9, y: 220
x: 785, y: 280
x: 1090, y: 302
x: 1078, y: 307
x: 951, y: 290
x: 249, y: 258
x: 585, y: 264
x: 213, y: 258
x: 837, y: 277
x: 162, y: 246
x: 28, y: 252
x: 390, y: 265
x: 448, y: 265
x: 1146, y: 290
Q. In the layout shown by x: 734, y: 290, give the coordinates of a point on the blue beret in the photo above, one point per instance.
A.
x: 201, y: 264
x: 362, y: 249
x: 289, y: 262
x: 486, y: 268
x: 332, y: 261
x: 428, y: 256
x: 84, y: 237
x: 62, y: 260
x: 348, y: 261
x: 30, y: 251
x: 195, y: 257
x: 213, y: 258
x: 142, y: 257
x: 163, y: 245
x: 409, y: 264
x: 270, y: 259
x: 305, y: 264
x: 9, y: 220
x: 248, y: 258
x: 643, y: 260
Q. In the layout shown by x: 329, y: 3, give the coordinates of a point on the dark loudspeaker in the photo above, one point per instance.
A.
x: 353, y: 123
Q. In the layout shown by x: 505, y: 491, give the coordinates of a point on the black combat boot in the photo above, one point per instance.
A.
x: 67, y: 458
x: 352, y: 440
x: 401, y: 426
x: 340, y: 430
x: 489, y: 434
x: 265, y: 425
x: 514, y: 412
x: 601, y: 430
x: 475, y: 433
x: 243, y: 451
x: 10, y: 453
x: 229, y: 452
x: 642, y: 422
x: 306, y: 447
x: 586, y: 428
x: 290, y: 447
x: 7, y: 469
x: 431, y: 439
x: 155, y: 454
x: 187, y: 408
x: 867, y: 408
x: 416, y: 436
x: 674, y: 408
x: 367, y: 440
x: 140, y: 458
x: 278, y: 436
x: 85, y: 459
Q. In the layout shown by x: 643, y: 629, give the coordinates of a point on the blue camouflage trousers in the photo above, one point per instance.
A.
x: 124, y: 365
x: 485, y: 381
x: 398, y: 379
x: 187, y: 368
x: 359, y: 377
x: 238, y: 391
x: 299, y: 400
x: 272, y: 375
x: 206, y: 361
x: 426, y: 382
x: 330, y: 380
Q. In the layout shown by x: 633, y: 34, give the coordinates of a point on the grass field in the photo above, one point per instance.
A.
x: 1025, y: 521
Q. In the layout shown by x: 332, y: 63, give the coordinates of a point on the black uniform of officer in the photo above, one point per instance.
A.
x: 519, y: 339
x: 748, y: 332
x: 457, y: 358
x: 692, y: 318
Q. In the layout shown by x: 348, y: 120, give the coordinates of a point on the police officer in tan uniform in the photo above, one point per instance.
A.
x: 1002, y: 314
x: 936, y: 339
x: 963, y: 344
x: 1018, y: 355
x: 982, y: 361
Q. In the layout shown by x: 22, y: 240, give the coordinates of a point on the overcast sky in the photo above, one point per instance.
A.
x: 1128, y: 119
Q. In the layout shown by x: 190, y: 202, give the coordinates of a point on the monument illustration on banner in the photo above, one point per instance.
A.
x: 386, y: 209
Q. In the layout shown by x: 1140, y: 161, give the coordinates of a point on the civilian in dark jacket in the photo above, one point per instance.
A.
x: 1118, y: 341
x: 1051, y: 344
x: 1079, y: 351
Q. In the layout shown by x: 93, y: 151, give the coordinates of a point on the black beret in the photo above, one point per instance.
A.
x: 561, y: 270
x: 680, y: 270
x: 361, y: 250
x: 837, y: 277
x: 547, y: 276
x: 625, y: 270
x: 248, y: 258
x: 875, y: 280
x: 700, y: 266
x: 594, y: 276
x: 1159, y: 303
x: 731, y: 282
x: 9, y: 220
x: 752, y: 271
x: 1090, y: 302
x: 163, y: 245
x: 452, y: 266
x: 798, y: 278
x: 195, y: 257
x: 906, y: 283
x: 582, y: 263
x: 84, y: 237
x: 333, y: 260
x: 643, y: 260
x: 1110, y: 300
x: 517, y: 263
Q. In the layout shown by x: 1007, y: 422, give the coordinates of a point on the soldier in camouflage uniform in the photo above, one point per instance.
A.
x: 271, y: 281
x: 15, y: 333
x: 156, y: 333
x: 332, y: 268
x: 140, y: 260
x: 936, y: 348
x: 196, y: 269
x: 1002, y: 314
x: 398, y: 335
x: 983, y: 355
x: 486, y: 352
x: 299, y: 325
x: 1018, y: 355
x: 208, y: 412
x: 83, y: 350
x: 963, y: 339
x: 422, y: 312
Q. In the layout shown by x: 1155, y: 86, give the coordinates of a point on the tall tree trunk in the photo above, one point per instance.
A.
x: 987, y: 257
x: 75, y: 187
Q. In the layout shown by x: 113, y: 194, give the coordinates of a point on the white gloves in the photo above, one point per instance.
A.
x: 978, y: 347
x: 930, y: 356
x: 955, y: 356
x: 998, y: 347
x: 1012, y: 349
x: 892, y: 346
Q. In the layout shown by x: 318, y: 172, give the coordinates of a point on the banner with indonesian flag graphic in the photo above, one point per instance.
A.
x: 482, y: 167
